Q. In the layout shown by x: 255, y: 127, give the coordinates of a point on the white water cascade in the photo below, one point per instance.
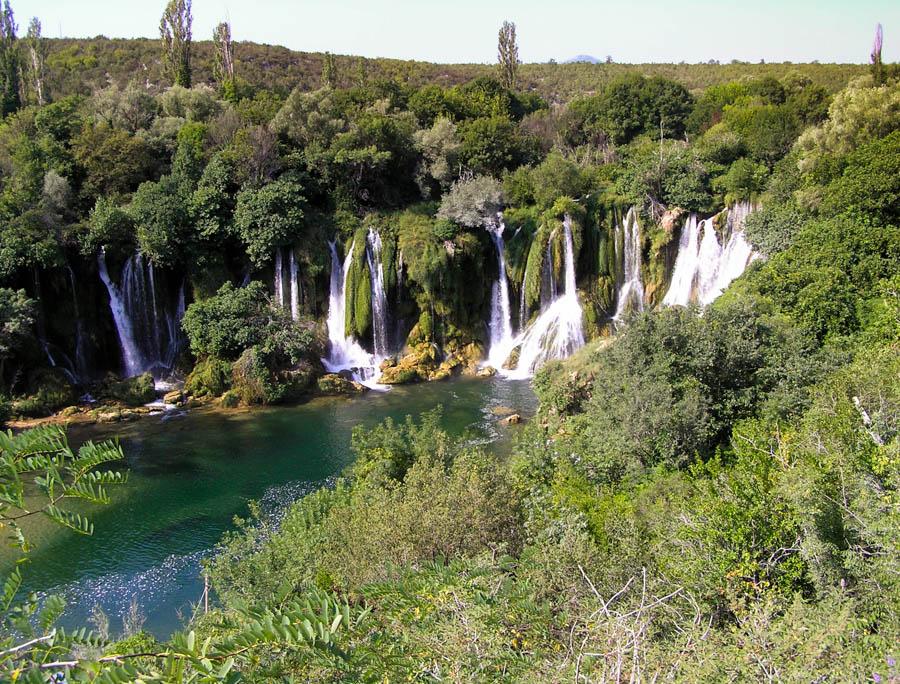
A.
x: 501, y: 338
x: 630, y: 297
x: 344, y: 352
x: 279, y: 277
x: 558, y: 331
x: 381, y: 341
x: 295, y: 286
x: 148, y: 330
x: 704, y: 267
x: 291, y: 297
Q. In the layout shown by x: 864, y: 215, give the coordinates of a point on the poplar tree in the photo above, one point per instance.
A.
x: 175, y: 31
x: 37, y: 55
x: 329, y: 71
x: 508, y: 55
x: 224, y: 66
x: 877, y: 65
x: 10, y: 100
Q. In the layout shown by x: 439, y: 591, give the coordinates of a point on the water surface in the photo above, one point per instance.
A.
x: 189, y: 475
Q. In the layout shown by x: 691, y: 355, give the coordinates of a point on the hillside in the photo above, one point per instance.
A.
x: 82, y: 65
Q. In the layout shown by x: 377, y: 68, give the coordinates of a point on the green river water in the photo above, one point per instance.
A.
x: 190, y: 474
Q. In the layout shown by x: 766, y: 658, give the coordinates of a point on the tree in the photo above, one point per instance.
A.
x: 508, y: 55
x: 175, y: 31
x: 9, y: 62
x: 269, y: 217
x: 329, y: 71
x: 472, y: 202
x: 224, y: 66
x: 37, y: 54
x: 16, y: 319
x: 877, y: 66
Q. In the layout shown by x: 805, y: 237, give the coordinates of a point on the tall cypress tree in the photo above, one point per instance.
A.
x: 175, y: 31
x: 508, y: 55
x: 10, y: 67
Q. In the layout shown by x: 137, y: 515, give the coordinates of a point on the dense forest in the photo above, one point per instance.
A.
x: 709, y: 489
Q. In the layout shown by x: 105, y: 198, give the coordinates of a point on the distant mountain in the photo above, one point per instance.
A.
x: 590, y: 59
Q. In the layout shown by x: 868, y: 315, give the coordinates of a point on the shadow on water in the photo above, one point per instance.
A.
x: 188, y: 478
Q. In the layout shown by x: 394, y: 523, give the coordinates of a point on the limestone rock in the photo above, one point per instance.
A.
x: 486, y: 372
x: 512, y: 419
x: 333, y: 384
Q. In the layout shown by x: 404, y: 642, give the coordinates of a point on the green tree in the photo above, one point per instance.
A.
x: 508, y: 55
x: 175, y: 31
x: 17, y: 313
x: 10, y: 67
x: 269, y: 217
x: 37, y: 56
x: 329, y: 71
x: 226, y: 324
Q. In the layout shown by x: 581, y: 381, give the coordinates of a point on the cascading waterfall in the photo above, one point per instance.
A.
x: 704, y: 267
x: 381, y: 342
x: 558, y: 331
x: 81, y: 364
x: 292, y: 295
x: 149, y: 334
x: 523, y: 306
x: 295, y: 286
x: 630, y: 295
x: 344, y: 352
x: 279, y: 277
x: 501, y: 335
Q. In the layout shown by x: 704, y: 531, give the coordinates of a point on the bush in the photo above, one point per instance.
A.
x: 229, y: 322
x: 49, y: 391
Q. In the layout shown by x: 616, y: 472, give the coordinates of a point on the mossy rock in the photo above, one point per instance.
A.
x: 333, y: 384
x: 512, y: 361
x: 134, y: 391
x: 211, y: 377
x: 400, y: 375
x: 230, y: 399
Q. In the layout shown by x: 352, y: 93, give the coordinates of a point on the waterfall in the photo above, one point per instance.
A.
x: 523, y: 306
x: 295, y: 286
x: 344, y: 352
x: 380, y: 342
x: 81, y: 364
x: 557, y: 332
x: 501, y: 335
x: 149, y: 334
x: 630, y: 295
x: 704, y: 267
x: 279, y: 277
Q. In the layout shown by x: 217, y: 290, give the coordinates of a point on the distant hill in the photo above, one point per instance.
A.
x: 84, y: 65
x: 585, y: 59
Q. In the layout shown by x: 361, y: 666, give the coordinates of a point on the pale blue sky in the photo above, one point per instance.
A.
x: 466, y: 30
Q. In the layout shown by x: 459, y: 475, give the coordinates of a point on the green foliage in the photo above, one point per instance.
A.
x: 226, y: 324
x: 472, y: 202
x: 16, y: 318
x: 269, y: 217
x: 47, y: 390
